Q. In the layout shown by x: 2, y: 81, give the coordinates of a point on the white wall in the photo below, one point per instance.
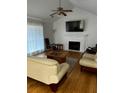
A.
x: 48, y: 30
x: 61, y: 36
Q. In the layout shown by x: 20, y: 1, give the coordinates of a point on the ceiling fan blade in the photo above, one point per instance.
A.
x: 53, y: 14
x: 67, y: 10
x: 64, y: 13
x: 59, y: 13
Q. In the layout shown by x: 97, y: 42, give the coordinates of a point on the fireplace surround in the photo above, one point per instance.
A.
x: 76, y: 37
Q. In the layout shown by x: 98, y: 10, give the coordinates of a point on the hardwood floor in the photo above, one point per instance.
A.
x: 76, y: 82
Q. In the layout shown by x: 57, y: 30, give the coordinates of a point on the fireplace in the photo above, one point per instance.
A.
x: 74, y: 45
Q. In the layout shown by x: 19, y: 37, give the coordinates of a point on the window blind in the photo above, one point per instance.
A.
x: 35, y: 38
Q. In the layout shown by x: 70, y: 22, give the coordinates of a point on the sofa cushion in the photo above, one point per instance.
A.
x: 88, y: 63
x: 89, y: 56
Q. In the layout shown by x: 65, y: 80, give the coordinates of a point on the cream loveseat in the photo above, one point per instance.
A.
x: 89, y: 62
x: 46, y: 70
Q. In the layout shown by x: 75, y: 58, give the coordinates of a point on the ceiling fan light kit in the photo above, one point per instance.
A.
x: 60, y: 11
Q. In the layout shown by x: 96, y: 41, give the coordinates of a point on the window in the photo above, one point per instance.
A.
x: 35, y: 38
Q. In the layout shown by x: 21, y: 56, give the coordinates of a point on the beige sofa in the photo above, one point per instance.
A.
x: 46, y: 70
x: 89, y: 62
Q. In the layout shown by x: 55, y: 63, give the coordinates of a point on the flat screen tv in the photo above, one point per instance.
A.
x: 75, y: 26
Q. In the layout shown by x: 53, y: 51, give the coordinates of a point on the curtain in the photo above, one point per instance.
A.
x: 35, y: 38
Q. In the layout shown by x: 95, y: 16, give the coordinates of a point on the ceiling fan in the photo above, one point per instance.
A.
x: 60, y: 11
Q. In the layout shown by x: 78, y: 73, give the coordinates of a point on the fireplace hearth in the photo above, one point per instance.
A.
x: 74, y: 45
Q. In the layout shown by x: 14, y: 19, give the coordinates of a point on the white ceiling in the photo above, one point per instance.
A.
x: 88, y: 5
x: 43, y: 8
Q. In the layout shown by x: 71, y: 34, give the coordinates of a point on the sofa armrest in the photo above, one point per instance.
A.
x: 56, y: 78
x: 64, y: 68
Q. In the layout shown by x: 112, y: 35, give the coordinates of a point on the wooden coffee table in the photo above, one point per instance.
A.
x: 60, y: 56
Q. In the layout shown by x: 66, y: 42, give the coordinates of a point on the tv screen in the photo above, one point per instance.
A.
x: 75, y: 26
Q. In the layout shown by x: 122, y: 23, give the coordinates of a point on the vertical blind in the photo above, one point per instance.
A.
x: 35, y: 38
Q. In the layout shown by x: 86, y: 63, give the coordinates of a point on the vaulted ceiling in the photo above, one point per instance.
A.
x: 43, y: 8
x: 88, y: 5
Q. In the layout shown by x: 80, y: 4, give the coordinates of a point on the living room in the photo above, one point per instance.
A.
x: 109, y: 77
x: 65, y: 43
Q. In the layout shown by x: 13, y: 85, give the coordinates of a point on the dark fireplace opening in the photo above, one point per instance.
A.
x: 74, y: 45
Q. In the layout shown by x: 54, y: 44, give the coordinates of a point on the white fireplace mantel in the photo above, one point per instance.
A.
x: 82, y: 39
